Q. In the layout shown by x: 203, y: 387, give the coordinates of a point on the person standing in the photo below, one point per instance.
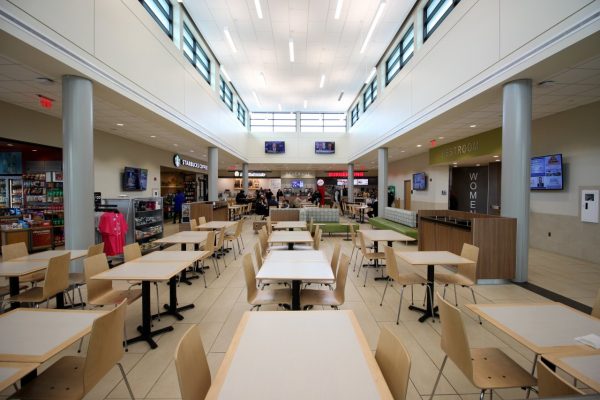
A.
x: 178, y: 201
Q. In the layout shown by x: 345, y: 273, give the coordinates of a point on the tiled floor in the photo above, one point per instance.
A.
x: 220, y: 307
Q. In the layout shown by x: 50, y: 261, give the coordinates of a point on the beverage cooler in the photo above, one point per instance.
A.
x: 11, y: 192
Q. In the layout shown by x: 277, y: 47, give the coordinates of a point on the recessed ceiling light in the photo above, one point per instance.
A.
x: 478, y: 165
x: 152, y: 136
x: 191, y: 151
x: 338, y: 9
x: 473, y: 126
x: 454, y: 163
x: 258, y: 8
x: 291, y: 46
x: 34, y: 150
x: 373, y: 24
x: 419, y: 145
x: 9, y: 144
x: 229, y: 40
x: 322, y: 83
x: 119, y: 124
x: 495, y: 156
x: 175, y: 144
x: 441, y: 138
x: 498, y: 160
x: 402, y: 151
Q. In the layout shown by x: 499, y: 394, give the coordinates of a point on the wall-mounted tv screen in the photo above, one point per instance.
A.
x: 357, y: 182
x: 297, y: 184
x: 11, y: 163
x: 274, y: 147
x: 324, y: 147
x: 547, y: 172
x: 134, y: 179
x: 419, y: 181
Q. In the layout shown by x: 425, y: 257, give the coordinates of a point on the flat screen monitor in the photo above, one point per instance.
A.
x: 419, y: 181
x: 11, y: 163
x: 134, y: 179
x: 297, y: 184
x: 357, y: 182
x: 547, y: 172
x: 274, y: 147
x: 324, y: 147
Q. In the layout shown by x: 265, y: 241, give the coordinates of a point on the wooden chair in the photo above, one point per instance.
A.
x: 77, y: 279
x: 311, y: 224
x: 316, y: 242
x: 101, y: 292
x: 191, y: 364
x: 486, y: 368
x: 209, y: 246
x: 596, y: 308
x: 269, y: 225
x: 405, y: 279
x: 263, y: 240
x: 132, y: 252
x: 56, y: 280
x: 355, y: 245
x: 369, y: 255
x: 257, y: 298
x: 552, y: 385
x: 16, y: 250
x: 394, y: 363
x: 73, y: 377
x: 193, y: 225
x: 220, y: 248
x: 333, y: 298
x: 259, y: 263
x: 465, y: 276
x: 335, y: 260
x: 235, y: 236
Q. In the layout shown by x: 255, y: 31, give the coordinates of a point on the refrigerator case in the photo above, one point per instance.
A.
x: 15, y: 191
x: 4, y: 193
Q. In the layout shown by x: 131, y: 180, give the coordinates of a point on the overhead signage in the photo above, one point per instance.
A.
x: 487, y: 143
x: 251, y: 174
x: 179, y: 162
x: 343, y: 174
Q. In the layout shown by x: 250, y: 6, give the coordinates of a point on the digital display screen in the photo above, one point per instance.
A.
x: 324, y: 147
x: 134, y: 179
x: 297, y: 184
x: 274, y: 147
x: 357, y: 182
x: 419, y: 181
x: 546, y: 173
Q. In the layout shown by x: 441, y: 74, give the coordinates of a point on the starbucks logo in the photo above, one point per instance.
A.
x: 177, y: 160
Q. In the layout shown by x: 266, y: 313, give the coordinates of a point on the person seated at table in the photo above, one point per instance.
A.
x: 241, y: 198
x: 373, y: 211
x: 273, y: 202
x: 285, y: 204
x: 261, y: 206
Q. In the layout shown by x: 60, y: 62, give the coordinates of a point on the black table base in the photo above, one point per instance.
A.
x: 171, y: 308
x: 296, y: 295
x: 430, y: 310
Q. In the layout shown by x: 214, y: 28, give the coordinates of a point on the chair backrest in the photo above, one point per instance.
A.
x: 394, y: 362
x: 238, y: 228
x: 335, y: 258
x: 201, y: 220
x: 391, y: 263
x: 221, y: 238
x: 193, y: 225
x: 552, y: 385
x: 469, y: 270
x: 105, y: 348
x: 93, y: 266
x: 269, y: 226
x: 57, y: 275
x: 317, y: 239
x: 596, y: 308
x: 209, y: 244
x: 258, y: 255
x: 192, y: 366
x: 353, y: 234
x: 310, y: 225
x: 263, y: 239
x: 95, y: 249
x: 455, y: 342
x: 131, y: 252
x: 361, y: 242
x: 15, y: 250
x: 340, y: 283
x: 250, y: 277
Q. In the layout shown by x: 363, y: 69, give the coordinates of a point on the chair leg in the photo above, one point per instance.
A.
x: 126, y: 381
x: 125, y: 338
x: 80, y: 297
x: 482, y: 394
x: 444, y: 292
x: 475, y: 301
x: 157, y: 301
x: 432, y: 307
x: 532, y: 372
x: 360, y: 265
x: 243, y: 244
x: 439, y: 376
x: 366, y: 273
x: 387, y: 282
x: 203, y: 273
x: 455, y: 297
x: 400, y: 305
x: 352, y: 255
x: 80, y: 345
x: 412, y: 295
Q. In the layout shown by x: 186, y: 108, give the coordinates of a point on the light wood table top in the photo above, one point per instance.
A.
x: 290, y: 237
x: 385, y: 235
x: 168, y: 255
x: 432, y: 258
x: 47, y: 255
x: 583, y: 365
x: 290, y: 225
x: 542, y: 327
x: 143, y: 271
x: 309, y: 355
x: 184, y: 237
x: 11, y: 372
x: 214, y: 225
x: 36, y: 335
x: 295, y: 265
x: 20, y: 268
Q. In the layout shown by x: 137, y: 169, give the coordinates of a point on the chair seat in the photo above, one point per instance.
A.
x: 492, y: 369
x: 411, y: 278
x: 314, y: 297
x: 115, y: 297
x: 33, y: 277
x: 5, y: 290
x: 272, y: 296
x: 373, y: 256
x: 453, y: 279
x: 62, y: 380
x: 76, y: 278
x: 32, y: 295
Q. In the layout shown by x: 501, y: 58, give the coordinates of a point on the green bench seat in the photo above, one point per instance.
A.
x: 336, y: 227
x: 382, y: 223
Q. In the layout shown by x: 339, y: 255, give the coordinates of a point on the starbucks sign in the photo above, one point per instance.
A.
x: 178, y: 161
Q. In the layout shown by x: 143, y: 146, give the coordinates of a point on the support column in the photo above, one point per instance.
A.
x: 382, y: 180
x: 516, y: 155
x: 350, y: 183
x: 78, y: 162
x: 213, y: 173
x: 245, y: 178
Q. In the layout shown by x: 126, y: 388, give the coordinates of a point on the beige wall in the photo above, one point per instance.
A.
x: 111, y: 153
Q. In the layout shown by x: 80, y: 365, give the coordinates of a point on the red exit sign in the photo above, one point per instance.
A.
x: 344, y: 174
